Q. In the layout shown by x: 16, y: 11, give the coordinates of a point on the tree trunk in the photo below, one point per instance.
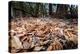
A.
x: 50, y: 9
x: 62, y: 10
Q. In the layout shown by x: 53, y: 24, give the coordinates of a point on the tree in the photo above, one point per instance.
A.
x: 62, y: 10
x: 50, y: 9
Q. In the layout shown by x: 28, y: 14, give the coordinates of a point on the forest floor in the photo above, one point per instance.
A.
x: 42, y: 34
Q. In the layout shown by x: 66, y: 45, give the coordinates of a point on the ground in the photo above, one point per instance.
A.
x: 42, y: 34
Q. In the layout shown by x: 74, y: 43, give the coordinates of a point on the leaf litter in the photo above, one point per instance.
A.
x: 42, y: 34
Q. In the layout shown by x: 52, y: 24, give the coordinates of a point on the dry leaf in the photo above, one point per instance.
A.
x: 15, y: 42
